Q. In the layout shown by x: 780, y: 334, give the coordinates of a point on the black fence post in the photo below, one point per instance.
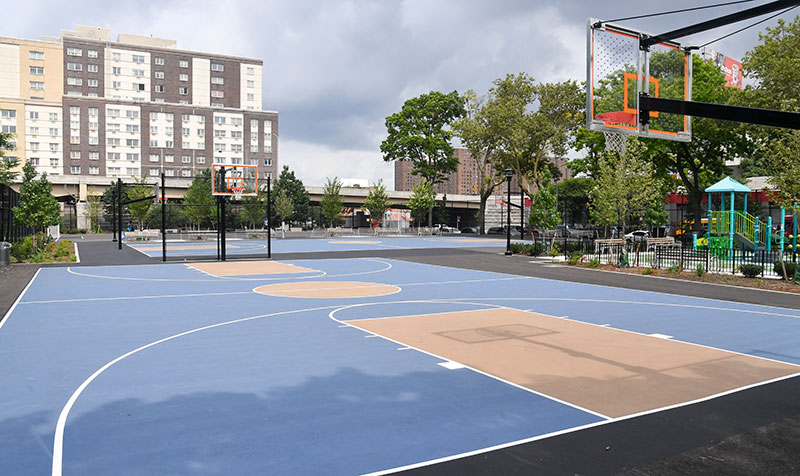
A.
x: 163, y: 219
x: 269, y: 217
x: 222, y: 228
x: 119, y: 213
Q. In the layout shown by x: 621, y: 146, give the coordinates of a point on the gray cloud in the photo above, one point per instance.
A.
x: 336, y: 69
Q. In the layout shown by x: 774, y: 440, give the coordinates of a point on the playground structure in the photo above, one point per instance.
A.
x: 729, y: 228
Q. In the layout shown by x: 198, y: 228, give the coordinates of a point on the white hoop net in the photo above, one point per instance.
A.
x: 615, y: 142
x: 237, y: 192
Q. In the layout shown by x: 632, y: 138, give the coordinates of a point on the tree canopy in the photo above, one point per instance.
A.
x: 377, y: 202
x: 422, y: 199
x: 7, y: 164
x: 201, y: 210
x: 296, y: 191
x: 37, y: 208
x: 331, y: 201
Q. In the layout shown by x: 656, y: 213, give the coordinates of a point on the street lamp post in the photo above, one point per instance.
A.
x: 508, y: 173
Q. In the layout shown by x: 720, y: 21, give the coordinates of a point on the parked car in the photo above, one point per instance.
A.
x: 469, y: 229
x: 638, y: 236
x: 449, y: 230
x: 496, y: 230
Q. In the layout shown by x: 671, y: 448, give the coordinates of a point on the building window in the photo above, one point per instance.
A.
x: 219, y: 119
x: 185, y: 131
x: 183, y: 91
x: 154, y: 157
x: 37, y: 85
x: 94, y: 170
x: 36, y: 55
x: 236, y: 147
x: 53, y: 147
x: 253, y: 161
x: 217, y: 94
x: 251, y: 83
x: 34, y: 160
x: 138, y: 86
x: 132, y: 128
x: 159, y: 88
x: 116, y: 70
x: 185, y: 144
x: 251, y: 97
x: 217, y: 80
x: 183, y: 77
x: 154, y: 172
x: 116, y: 84
x: 159, y: 75
x: 236, y: 121
x: 169, y: 158
x: 8, y: 113
x: 159, y: 60
x: 92, y: 68
x: 132, y: 142
x: 132, y: 113
x: 186, y: 173
x: 169, y: 131
x: 251, y: 70
x: 137, y: 58
x: 168, y: 144
x: 74, y: 154
x: 139, y: 73
x: 184, y: 63
x: 201, y: 132
x: 131, y: 156
x: 92, y: 83
x: 91, y: 53
x: 200, y: 159
x: 201, y: 145
x: 93, y: 140
x: 39, y: 70
x: 34, y: 131
x: 74, y: 52
x: 219, y: 147
x: 53, y: 131
x: 253, y: 148
x: 169, y: 173
x: 75, y: 169
x: 71, y: 67
x: 94, y: 155
x: 186, y: 159
x: 220, y: 133
x: 75, y: 81
x: 112, y: 141
x: 169, y: 116
x: 217, y: 67
x: 113, y: 155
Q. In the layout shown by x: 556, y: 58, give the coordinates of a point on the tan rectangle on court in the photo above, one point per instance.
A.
x: 245, y: 268
x: 611, y: 372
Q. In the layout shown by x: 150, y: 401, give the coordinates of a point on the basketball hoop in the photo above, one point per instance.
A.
x: 615, y: 142
x: 237, y: 192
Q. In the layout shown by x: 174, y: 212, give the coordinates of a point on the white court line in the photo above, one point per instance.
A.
x: 123, y: 298
x: 332, y: 314
x: 19, y: 298
x: 486, y: 280
x: 660, y: 336
x: 571, y: 430
x: 58, y: 439
x: 77, y: 255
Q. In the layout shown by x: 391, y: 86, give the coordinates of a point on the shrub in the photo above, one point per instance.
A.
x: 574, y: 258
x: 790, y: 267
x: 22, y: 250
x: 593, y: 263
x: 751, y: 270
x: 699, y: 271
x: 517, y: 248
x: 675, y: 269
x: 647, y: 271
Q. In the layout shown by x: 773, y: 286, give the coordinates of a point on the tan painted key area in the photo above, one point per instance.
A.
x: 328, y: 289
x: 249, y: 268
x: 608, y: 371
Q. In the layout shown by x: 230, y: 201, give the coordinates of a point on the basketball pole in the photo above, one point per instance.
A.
x: 269, y: 217
x: 119, y: 213
x: 163, y: 220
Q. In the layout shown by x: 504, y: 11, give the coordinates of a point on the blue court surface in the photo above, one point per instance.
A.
x: 307, y: 245
x: 171, y: 369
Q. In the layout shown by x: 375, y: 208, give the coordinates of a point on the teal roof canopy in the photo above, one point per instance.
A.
x: 728, y: 185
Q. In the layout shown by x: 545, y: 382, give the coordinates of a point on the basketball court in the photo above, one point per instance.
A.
x: 358, y: 366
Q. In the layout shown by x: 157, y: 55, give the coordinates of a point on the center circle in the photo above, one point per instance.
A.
x: 327, y: 289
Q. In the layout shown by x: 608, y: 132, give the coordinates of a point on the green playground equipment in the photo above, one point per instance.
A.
x: 730, y: 227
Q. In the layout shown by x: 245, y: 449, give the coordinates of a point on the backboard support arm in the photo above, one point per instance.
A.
x: 749, y: 115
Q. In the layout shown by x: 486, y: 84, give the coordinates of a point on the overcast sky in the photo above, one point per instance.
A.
x: 335, y: 69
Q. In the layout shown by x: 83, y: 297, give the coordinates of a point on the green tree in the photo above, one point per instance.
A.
x: 625, y: 187
x: 477, y: 133
x: 544, y: 206
x: 573, y: 195
x: 199, y: 201
x: 94, y: 209
x: 37, y: 207
x: 139, y: 210
x: 254, y: 209
x: 422, y: 199
x: 331, y: 201
x: 377, y: 202
x: 297, y: 192
x: 7, y: 165
x: 420, y: 133
x: 283, y: 205
x: 533, y: 123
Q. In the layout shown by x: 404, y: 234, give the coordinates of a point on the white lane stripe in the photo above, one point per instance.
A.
x: 58, y: 439
x: 660, y: 336
x: 124, y: 298
x: 569, y: 430
x: 77, y: 255
x: 19, y: 298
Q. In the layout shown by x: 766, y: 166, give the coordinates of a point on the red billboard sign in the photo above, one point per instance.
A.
x: 731, y: 68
